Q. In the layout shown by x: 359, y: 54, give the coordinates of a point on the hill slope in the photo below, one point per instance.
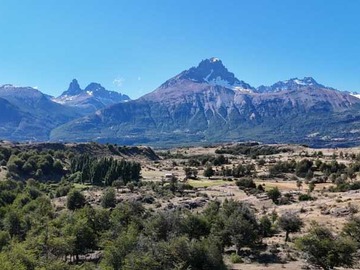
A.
x: 30, y: 114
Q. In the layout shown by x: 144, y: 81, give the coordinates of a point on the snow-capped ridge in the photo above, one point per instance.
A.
x: 291, y: 84
x: 210, y: 71
x: 355, y: 94
x: 92, y: 98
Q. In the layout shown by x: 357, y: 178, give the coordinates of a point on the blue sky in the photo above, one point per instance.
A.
x: 134, y: 46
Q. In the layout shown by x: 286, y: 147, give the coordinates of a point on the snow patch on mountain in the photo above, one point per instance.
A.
x: 357, y: 95
x: 224, y: 83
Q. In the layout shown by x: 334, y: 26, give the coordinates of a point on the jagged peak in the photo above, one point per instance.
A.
x: 211, y: 71
x: 94, y: 86
x: 73, y: 89
x: 309, y: 81
x: 291, y: 84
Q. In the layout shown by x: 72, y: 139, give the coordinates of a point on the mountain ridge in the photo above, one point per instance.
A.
x: 93, y: 97
x: 193, y: 107
x: 206, y: 103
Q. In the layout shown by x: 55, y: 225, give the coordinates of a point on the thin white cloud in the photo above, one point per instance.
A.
x: 118, y: 81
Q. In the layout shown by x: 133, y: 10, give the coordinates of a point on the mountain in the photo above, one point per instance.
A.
x: 213, y: 72
x: 291, y: 84
x: 30, y: 114
x: 73, y: 89
x: 90, y: 99
x: 208, y: 103
x: 10, y: 117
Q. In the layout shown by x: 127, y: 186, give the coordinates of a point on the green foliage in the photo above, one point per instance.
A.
x: 109, y: 198
x: 274, y: 194
x: 117, y: 184
x: 190, y: 172
x: 37, y: 164
x: 14, y: 223
x: 75, y: 200
x: 282, y: 167
x: 62, y: 190
x: 34, y: 235
x: 290, y: 223
x: 4, y: 239
x: 332, y: 167
x: 352, y: 229
x: 342, y: 187
x: 116, y: 251
x: 305, y: 197
x: 220, y: 160
x: 245, y: 183
x: 311, y: 186
x: 18, y: 257
x: 8, y: 191
x: 208, y: 172
x: 105, y: 171
x: 325, y: 250
x: 242, y: 170
x: 234, y: 258
x: 265, y: 226
x: 241, y: 226
x: 303, y: 168
x: 83, y: 236
x: 251, y: 149
x: 195, y: 226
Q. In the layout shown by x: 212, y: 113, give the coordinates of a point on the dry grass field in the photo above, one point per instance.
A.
x: 328, y: 209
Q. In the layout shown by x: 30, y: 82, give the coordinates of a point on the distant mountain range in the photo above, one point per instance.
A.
x: 203, y: 104
x: 26, y: 114
x: 90, y: 99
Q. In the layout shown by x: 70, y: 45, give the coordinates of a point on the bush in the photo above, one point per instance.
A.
x: 325, y: 250
x: 274, y: 194
x: 355, y: 185
x: 305, y: 197
x: 62, y: 191
x: 234, y: 258
x: 109, y: 198
x: 4, y: 239
x: 303, y: 168
x: 244, y: 183
x: 75, y: 200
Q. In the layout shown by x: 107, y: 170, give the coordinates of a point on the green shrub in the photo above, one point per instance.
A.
x: 305, y: 197
x: 245, y: 183
x: 234, y: 258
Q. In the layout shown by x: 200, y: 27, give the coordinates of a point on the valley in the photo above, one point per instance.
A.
x: 183, y: 196
x: 179, y: 135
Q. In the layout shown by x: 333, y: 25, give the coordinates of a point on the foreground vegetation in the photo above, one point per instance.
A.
x: 70, y: 209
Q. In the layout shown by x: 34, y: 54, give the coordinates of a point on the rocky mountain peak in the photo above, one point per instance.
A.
x: 90, y: 99
x: 306, y: 81
x: 73, y: 89
x: 94, y: 87
x: 211, y: 71
x: 291, y: 84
